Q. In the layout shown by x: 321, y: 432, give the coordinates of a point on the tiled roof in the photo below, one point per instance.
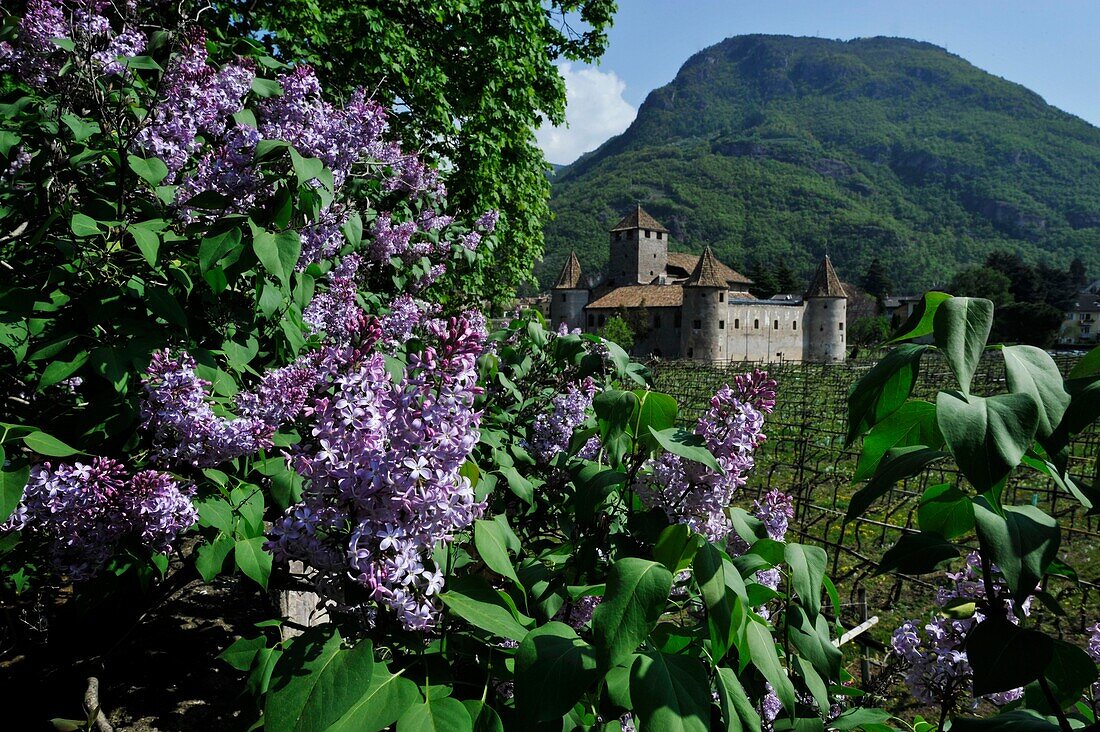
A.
x: 688, y: 262
x: 635, y: 296
x: 825, y: 282
x: 707, y: 272
x: 639, y: 219
x: 570, y: 277
x: 1086, y: 303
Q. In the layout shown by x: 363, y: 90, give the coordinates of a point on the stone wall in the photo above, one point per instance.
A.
x: 764, y: 331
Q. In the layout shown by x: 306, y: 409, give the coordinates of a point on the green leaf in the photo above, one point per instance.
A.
x: 670, y: 693
x: 81, y: 128
x: 150, y: 170
x: 1005, y: 656
x: 211, y: 557
x: 917, y: 554
x: 492, y: 543
x: 810, y: 637
x: 687, y: 445
x: 987, y: 436
x: 278, y: 253
x: 266, y: 88
x: 633, y: 602
x: 914, y: 423
x: 676, y: 546
x: 242, y: 652
x: 1018, y: 720
x: 214, y: 248
x: 1069, y: 674
x: 763, y: 656
x: 317, y: 681
x: 1031, y: 371
x: 253, y: 560
x: 148, y: 242
x: 441, y: 714
x: 1021, y: 540
x: 1089, y: 365
x: 306, y: 169
x: 945, y: 510
x: 12, y: 483
x: 737, y: 709
x: 382, y: 704
x: 807, y: 564
x: 656, y: 411
x: 215, y: 512
x: 473, y: 600
x: 485, y: 717
x: 960, y: 329
x: 710, y: 574
x: 859, y: 718
x: 920, y: 322
x: 883, y: 389
x: 48, y: 445
x: 58, y: 371
x: 554, y: 668
x: 898, y: 464
x: 83, y: 225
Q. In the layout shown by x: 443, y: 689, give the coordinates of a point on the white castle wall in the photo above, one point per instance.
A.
x: 758, y: 331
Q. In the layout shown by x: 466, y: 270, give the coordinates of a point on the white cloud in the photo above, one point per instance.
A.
x: 595, y: 111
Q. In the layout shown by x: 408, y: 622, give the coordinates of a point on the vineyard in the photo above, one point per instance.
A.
x: 805, y: 456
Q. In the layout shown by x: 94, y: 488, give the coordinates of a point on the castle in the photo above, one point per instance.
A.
x: 687, y: 306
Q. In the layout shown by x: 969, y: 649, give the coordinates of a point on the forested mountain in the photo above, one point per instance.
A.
x: 773, y: 149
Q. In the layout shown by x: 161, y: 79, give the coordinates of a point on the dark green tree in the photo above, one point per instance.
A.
x: 869, y: 331
x: 618, y: 331
x: 1078, y: 273
x: 786, y: 279
x: 1025, y: 283
x: 876, y: 281
x: 986, y: 282
x: 765, y: 280
x: 469, y: 81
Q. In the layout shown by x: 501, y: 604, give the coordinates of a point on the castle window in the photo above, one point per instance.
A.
x: 794, y: 325
x: 721, y: 297
x: 841, y: 324
x: 696, y: 324
x: 650, y: 273
x: 654, y: 255
x: 737, y: 323
x: 756, y: 324
x: 677, y: 320
x: 775, y: 325
x: 603, y: 320
x: 647, y: 233
x: 659, y: 235
x: 721, y: 325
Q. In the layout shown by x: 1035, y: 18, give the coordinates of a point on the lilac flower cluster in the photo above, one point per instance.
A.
x: 336, y: 312
x: 775, y: 510
x: 551, y: 431
x: 692, y: 494
x: 196, y: 99
x: 383, y: 470
x: 1093, y: 649
x: 34, y: 56
x: 938, y: 669
x: 185, y: 427
x: 83, y: 512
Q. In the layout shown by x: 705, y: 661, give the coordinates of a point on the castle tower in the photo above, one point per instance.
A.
x: 639, y: 250
x: 705, y: 309
x: 824, y: 317
x: 568, y: 297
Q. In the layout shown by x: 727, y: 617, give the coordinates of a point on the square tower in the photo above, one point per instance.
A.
x: 639, y: 250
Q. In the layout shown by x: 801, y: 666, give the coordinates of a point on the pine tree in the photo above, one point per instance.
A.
x: 876, y: 281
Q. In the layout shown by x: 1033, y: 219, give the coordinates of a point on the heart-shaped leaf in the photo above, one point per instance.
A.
x: 987, y: 436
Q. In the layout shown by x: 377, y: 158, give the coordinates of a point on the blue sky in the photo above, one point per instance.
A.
x: 1049, y: 46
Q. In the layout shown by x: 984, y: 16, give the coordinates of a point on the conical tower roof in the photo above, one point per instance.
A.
x: 825, y: 282
x: 570, y: 277
x: 639, y: 219
x: 708, y: 272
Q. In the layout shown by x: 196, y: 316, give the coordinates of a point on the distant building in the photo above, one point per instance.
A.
x: 687, y: 306
x: 1082, y: 322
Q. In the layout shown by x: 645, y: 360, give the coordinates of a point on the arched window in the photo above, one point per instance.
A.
x: 737, y: 323
x: 756, y: 323
x: 794, y: 325
x: 775, y: 325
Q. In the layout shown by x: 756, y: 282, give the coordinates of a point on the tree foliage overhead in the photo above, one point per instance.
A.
x: 470, y: 80
x: 773, y: 148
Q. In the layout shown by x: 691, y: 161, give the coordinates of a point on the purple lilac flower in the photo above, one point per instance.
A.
x: 756, y: 388
x: 938, y: 669
x: 82, y: 512
x: 383, y: 472
x: 488, y: 221
x: 692, y: 494
x: 551, y: 432
x: 1093, y: 649
x: 227, y: 169
x: 196, y: 98
x: 403, y: 319
x: 336, y: 311
x: 34, y: 57
x: 776, y: 509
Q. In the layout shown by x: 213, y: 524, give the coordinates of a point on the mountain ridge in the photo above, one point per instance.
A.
x: 771, y: 147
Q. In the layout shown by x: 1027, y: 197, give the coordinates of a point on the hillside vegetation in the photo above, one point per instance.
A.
x: 773, y: 148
